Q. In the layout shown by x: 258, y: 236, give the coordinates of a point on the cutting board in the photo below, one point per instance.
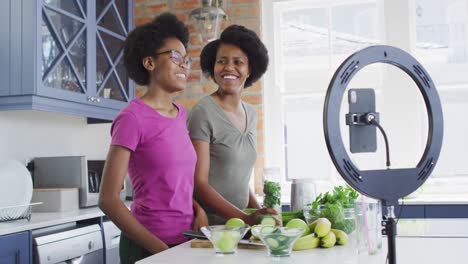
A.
x: 204, y: 243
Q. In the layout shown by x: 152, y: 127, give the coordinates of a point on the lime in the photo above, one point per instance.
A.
x: 299, y: 223
x: 235, y: 222
x: 227, y: 241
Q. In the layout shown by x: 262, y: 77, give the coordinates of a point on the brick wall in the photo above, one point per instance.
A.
x: 243, y: 12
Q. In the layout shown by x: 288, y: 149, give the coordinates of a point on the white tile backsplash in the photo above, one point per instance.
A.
x: 28, y: 134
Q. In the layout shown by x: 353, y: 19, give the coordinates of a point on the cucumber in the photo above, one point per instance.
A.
x: 273, y: 243
x: 250, y: 210
x: 282, y: 238
x: 268, y: 229
x: 268, y: 221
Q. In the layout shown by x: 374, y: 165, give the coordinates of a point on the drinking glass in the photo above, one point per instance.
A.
x: 368, y: 226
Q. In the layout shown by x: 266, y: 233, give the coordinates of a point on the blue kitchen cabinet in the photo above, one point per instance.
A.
x: 446, y: 211
x: 16, y: 248
x: 431, y: 211
x: 408, y: 211
x: 65, y: 56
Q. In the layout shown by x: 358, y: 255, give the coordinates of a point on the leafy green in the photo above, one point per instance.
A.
x: 272, y: 191
x: 345, y: 196
x: 332, y: 206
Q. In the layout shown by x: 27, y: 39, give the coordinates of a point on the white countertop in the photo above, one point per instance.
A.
x: 39, y: 220
x: 431, y: 245
x: 433, y: 227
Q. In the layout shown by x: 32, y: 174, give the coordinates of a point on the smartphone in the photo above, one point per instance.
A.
x: 362, y: 138
x: 194, y: 234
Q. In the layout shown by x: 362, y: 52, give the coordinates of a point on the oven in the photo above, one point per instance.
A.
x: 68, y: 243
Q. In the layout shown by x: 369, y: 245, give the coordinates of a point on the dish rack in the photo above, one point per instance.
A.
x: 10, y: 213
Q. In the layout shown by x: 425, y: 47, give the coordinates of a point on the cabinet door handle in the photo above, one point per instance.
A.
x: 94, y: 99
x: 17, y: 257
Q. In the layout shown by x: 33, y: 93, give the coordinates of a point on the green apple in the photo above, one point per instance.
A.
x: 299, y: 223
x: 235, y: 222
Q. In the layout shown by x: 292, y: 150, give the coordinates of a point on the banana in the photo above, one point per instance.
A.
x: 328, y: 241
x: 322, y: 228
x: 306, y: 242
x: 341, y: 236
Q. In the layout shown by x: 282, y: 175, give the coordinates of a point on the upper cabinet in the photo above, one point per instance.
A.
x: 65, y: 56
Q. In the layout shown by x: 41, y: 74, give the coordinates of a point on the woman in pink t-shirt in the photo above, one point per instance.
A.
x: 150, y: 141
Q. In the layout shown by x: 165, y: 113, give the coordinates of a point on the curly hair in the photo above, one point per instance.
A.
x: 146, y: 39
x: 248, y: 41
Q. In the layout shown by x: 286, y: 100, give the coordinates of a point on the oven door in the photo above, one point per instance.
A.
x: 76, y: 246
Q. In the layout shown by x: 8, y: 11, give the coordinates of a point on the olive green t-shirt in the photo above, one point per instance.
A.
x: 232, y: 152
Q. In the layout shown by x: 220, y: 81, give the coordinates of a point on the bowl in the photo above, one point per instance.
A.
x: 342, y: 218
x: 278, y: 240
x: 224, y: 238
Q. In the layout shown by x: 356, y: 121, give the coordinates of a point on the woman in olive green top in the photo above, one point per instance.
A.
x: 223, y: 127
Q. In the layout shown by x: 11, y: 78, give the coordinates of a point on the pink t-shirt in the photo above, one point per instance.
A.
x: 161, y: 168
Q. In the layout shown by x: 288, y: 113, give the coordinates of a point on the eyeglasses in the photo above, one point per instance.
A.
x: 177, y: 58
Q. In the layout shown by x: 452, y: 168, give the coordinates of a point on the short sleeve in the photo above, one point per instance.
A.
x: 198, y: 125
x: 125, y: 131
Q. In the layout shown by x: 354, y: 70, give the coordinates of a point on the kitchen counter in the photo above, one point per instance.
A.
x: 39, y: 220
x: 420, y: 241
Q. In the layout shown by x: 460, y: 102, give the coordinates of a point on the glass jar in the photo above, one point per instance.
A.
x: 272, y: 190
x: 342, y: 218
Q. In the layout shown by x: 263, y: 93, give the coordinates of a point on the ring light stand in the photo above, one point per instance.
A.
x: 387, y: 185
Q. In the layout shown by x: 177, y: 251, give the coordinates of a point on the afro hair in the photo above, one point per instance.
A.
x: 146, y: 39
x: 248, y: 41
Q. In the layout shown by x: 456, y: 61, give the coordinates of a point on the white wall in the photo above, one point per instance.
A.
x: 28, y: 134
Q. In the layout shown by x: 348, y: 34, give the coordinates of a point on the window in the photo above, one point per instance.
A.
x: 442, y: 47
x: 308, y: 40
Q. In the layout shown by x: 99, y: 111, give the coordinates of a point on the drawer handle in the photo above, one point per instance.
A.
x: 90, y: 245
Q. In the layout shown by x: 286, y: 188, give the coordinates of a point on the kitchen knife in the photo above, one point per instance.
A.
x: 200, y: 235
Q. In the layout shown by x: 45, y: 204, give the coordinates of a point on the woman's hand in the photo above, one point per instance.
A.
x: 255, y: 218
x: 200, y: 218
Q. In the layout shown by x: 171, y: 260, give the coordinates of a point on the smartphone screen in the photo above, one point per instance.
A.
x: 362, y: 138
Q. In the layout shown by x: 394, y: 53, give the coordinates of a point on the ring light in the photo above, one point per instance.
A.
x: 387, y: 185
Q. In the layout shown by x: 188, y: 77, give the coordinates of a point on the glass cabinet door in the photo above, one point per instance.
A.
x: 112, y: 81
x: 63, y: 27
